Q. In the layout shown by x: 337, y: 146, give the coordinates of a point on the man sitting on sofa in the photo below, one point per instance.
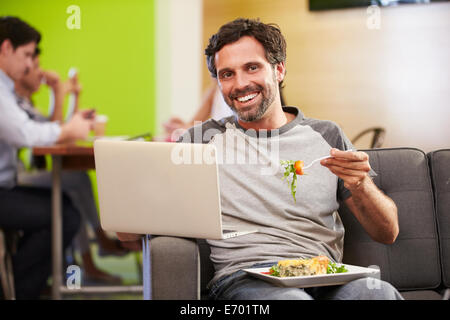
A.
x: 248, y: 59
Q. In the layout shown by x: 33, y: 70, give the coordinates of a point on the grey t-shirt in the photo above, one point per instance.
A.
x: 254, y: 196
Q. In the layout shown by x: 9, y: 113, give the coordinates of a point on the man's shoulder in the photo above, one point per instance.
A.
x: 321, y: 125
x: 330, y: 131
x: 204, y: 131
x: 318, y: 125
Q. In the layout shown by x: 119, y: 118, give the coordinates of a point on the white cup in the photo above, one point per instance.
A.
x: 100, y: 125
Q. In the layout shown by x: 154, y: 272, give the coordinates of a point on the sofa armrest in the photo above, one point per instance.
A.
x: 175, y: 268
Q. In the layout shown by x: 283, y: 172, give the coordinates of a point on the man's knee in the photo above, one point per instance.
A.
x: 374, y: 289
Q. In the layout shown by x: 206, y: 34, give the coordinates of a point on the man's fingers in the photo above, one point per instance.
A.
x: 349, y: 155
x: 353, y: 165
x: 338, y: 170
x: 350, y: 181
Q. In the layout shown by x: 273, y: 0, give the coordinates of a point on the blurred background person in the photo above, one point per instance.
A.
x: 76, y: 184
x: 212, y: 106
x: 28, y: 209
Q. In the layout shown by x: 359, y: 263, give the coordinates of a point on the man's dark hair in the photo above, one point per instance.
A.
x: 18, y: 32
x: 269, y: 35
x: 37, y: 52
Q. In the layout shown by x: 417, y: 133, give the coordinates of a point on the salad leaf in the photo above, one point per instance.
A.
x: 288, y: 169
x: 334, y: 268
x: 274, y: 271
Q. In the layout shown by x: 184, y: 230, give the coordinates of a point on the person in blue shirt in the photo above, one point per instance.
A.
x: 76, y: 184
x: 28, y: 209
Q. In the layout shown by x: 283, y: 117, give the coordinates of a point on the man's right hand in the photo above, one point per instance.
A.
x: 77, y: 128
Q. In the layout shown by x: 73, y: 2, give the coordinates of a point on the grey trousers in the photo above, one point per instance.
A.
x: 240, y: 286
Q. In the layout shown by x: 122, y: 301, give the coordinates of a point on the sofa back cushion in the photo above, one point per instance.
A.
x: 412, y: 262
x: 440, y: 176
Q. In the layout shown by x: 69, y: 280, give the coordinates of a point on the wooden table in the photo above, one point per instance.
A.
x: 73, y: 156
x: 78, y: 156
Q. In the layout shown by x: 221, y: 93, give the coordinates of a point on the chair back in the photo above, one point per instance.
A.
x: 377, y: 138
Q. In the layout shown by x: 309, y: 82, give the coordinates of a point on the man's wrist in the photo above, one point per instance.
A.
x: 361, y: 186
x: 66, y: 133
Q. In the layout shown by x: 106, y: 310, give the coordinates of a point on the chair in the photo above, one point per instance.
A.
x: 377, y: 139
x: 7, y: 248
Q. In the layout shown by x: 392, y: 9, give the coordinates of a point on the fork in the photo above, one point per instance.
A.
x: 314, y: 161
x: 322, y: 158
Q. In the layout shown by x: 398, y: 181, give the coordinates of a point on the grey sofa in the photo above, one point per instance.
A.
x: 418, y: 263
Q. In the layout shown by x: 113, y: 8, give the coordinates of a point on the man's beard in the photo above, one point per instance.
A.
x: 268, y: 96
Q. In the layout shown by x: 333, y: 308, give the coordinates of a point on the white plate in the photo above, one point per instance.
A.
x: 353, y: 273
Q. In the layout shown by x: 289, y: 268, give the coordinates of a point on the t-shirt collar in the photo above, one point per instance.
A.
x: 293, y: 110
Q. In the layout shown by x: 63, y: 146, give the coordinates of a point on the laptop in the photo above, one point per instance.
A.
x: 160, y: 188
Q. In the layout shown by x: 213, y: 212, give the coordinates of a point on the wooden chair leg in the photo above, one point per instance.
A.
x: 4, y: 272
x: 10, y: 273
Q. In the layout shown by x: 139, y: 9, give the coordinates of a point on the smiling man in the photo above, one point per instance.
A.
x: 248, y: 59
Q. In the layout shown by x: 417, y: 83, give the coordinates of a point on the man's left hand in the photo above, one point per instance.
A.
x: 351, y: 166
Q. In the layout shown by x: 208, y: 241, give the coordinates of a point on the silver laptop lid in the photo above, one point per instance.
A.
x: 158, y: 188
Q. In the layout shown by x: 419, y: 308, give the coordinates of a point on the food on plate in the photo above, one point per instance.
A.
x: 294, y: 167
x: 305, y: 267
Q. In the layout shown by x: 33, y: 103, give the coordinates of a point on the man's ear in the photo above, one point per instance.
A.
x: 6, y: 47
x: 280, y: 70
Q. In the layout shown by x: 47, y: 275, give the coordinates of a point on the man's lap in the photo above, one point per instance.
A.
x: 247, y: 288
x: 240, y: 286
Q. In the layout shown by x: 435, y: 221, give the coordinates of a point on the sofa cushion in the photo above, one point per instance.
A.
x: 421, y: 295
x: 412, y: 262
x: 170, y: 281
x: 440, y: 176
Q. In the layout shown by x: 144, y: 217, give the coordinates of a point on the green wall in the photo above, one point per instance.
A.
x: 113, y: 51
